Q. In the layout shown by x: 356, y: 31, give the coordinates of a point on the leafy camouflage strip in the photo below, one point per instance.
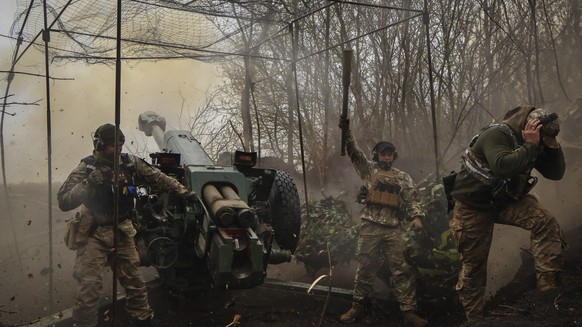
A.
x: 330, y: 222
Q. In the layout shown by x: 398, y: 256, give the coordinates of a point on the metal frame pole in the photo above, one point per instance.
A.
x: 426, y: 21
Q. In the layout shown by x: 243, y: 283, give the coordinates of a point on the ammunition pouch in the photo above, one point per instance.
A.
x: 513, y: 189
x: 502, y: 190
x: 386, y: 194
x: 71, y: 234
x: 78, y: 231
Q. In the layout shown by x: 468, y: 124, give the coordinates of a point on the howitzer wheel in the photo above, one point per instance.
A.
x: 162, y: 252
x: 285, y: 211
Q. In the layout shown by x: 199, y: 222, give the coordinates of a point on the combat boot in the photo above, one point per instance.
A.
x: 356, y: 312
x: 546, y: 281
x: 412, y: 319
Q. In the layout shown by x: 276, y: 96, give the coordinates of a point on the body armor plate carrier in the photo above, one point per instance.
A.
x: 101, y: 199
x: 384, y: 189
x: 502, y: 190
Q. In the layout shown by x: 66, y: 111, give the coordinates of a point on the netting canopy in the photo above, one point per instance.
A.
x: 208, y: 30
x: 154, y: 29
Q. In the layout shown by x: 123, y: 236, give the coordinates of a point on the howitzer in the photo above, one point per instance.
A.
x: 344, y: 125
x: 246, y: 217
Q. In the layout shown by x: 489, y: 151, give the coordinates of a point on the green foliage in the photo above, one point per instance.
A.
x: 431, y: 251
x: 329, y: 221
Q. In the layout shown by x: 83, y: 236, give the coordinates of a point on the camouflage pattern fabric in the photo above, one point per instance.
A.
x: 473, y: 230
x: 75, y: 190
x: 88, y: 271
x: 410, y: 204
x: 382, y: 233
x: 478, y: 205
x: 377, y: 245
x: 92, y: 257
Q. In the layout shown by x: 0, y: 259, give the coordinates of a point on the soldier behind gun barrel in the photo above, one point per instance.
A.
x: 386, y: 192
x: 492, y: 187
x: 90, y: 186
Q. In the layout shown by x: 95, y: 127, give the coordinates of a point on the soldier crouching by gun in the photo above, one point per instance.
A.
x: 90, y: 186
x: 492, y: 187
x: 389, y: 190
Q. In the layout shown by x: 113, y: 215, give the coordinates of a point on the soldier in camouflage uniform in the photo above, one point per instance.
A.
x: 492, y: 187
x: 90, y: 186
x: 391, y: 195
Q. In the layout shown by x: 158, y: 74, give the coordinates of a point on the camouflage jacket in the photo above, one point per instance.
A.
x: 410, y: 206
x: 506, y: 155
x: 76, y: 191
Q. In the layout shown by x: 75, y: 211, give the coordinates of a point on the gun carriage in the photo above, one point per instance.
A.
x: 245, y: 219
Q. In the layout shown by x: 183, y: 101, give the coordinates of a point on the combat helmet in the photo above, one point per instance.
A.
x: 549, y: 130
x: 105, y: 135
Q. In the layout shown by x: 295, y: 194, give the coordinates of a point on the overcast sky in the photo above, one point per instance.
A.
x: 79, y: 106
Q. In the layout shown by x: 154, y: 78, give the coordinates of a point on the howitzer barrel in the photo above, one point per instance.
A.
x: 182, y: 142
x: 154, y: 125
x: 222, y: 213
x: 246, y: 216
x: 158, y: 135
x: 225, y: 205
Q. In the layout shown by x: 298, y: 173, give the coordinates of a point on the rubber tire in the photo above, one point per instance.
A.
x: 285, y: 211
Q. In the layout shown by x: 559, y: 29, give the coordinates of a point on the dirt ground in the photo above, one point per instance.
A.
x: 516, y: 304
x: 519, y: 303
x: 25, y: 297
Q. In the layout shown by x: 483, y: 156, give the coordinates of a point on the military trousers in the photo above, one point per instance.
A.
x: 88, y: 271
x: 472, y: 231
x: 379, y: 245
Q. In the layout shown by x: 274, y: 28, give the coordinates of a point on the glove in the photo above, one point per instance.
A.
x: 362, y: 196
x: 191, y: 197
x: 416, y: 223
x: 95, y: 178
x: 344, y: 123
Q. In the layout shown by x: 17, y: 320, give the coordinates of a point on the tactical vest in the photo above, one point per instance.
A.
x: 501, y: 189
x: 102, y: 196
x: 384, y: 189
x: 479, y: 168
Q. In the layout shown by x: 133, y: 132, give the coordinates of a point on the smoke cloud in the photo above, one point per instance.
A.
x: 79, y: 106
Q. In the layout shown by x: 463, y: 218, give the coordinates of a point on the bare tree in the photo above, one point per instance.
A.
x: 488, y: 56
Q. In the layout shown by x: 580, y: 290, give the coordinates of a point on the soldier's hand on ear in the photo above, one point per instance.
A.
x: 416, y: 223
x: 531, y: 132
x: 95, y: 178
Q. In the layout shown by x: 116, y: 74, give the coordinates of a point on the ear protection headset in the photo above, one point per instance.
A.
x: 104, y: 135
x: 98, y: 143
x: 381, y: 146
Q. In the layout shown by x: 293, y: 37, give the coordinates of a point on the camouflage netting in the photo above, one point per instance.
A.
x: 208, y: 30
